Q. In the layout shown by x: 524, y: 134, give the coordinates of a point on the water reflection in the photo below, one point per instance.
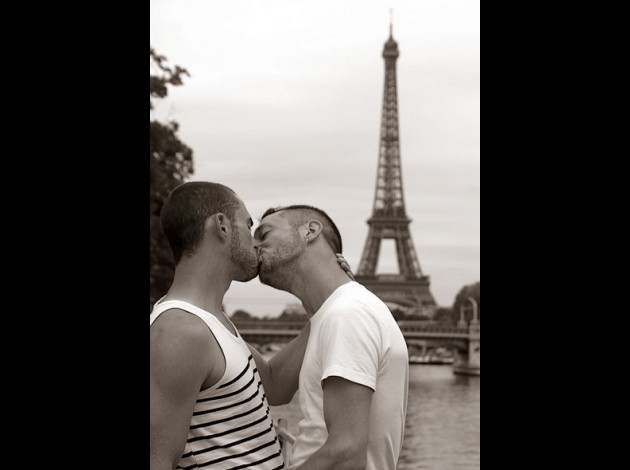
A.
x: 442, y: 426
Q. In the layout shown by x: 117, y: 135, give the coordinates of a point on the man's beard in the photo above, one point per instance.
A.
x: 276, y: 267
x: 245, y: 259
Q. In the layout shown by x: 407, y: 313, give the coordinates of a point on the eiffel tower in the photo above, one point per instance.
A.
x: 409, y: 289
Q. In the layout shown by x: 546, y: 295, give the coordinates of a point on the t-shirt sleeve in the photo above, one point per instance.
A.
x: 350, y: 344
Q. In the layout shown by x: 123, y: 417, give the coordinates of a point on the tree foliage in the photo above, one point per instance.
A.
x: 444, y: 316
x: 242, y: 315
x: 449, y: 316
x: 398, y: 314
x: 470, y: 290
x: 164, y: 75
x: 171, y: 162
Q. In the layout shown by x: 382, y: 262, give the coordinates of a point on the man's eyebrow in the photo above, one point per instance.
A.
x: 260, y: 227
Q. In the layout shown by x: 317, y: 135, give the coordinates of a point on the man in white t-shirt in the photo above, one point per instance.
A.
x: 354, y: 377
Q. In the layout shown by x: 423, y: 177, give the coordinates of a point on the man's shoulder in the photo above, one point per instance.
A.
x: 360, y: 299
x: 354, y: 313
x: 176, y: 323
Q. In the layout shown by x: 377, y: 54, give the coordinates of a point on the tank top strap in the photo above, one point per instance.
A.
x: 207, y: 317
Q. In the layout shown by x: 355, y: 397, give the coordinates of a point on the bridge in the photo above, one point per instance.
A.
x: 464, y: 338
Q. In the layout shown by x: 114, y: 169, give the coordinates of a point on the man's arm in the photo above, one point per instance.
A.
x: 347, y: 415
x: 281, y: 374
x: 179, y: 367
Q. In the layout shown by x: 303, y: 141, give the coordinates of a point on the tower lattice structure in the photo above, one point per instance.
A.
x: 409, y: 288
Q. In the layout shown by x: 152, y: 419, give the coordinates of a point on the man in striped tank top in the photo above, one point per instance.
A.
x: 208, y: 406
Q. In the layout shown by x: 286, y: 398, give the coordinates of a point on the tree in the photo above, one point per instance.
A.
x: 241, y: 315
x: 398, y: 314
x: 293, y: 312
x: 444, y: 316
x: 171, y: 162
x: 471, y: 290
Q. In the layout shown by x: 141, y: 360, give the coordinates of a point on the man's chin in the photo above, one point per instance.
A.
x: 265, y: 276
x: 247, y: 276
x: 270, y: 280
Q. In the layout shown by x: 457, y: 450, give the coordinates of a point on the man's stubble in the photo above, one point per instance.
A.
x: 278, y: 267
x: 243, y: 255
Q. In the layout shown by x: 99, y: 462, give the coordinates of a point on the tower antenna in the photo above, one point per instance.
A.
x: 391, y: 21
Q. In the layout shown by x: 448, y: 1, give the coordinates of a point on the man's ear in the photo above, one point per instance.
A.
x: 313, y: 229
x: 219, y: 225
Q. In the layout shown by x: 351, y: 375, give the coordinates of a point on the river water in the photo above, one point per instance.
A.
x: 442, y: 428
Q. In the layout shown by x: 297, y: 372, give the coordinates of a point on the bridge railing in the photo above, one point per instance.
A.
x: 269, y: 324
x: 410, y: 326
x: 422, y: 327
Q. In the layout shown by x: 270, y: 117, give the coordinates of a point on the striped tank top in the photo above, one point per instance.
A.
x: 230, y: 427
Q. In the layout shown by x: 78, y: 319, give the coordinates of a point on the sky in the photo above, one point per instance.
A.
x: 283, y: 105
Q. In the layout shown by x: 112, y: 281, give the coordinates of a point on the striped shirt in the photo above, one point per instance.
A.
x: 230, y: 427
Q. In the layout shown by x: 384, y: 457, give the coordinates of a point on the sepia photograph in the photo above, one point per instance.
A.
x: 315, y: 234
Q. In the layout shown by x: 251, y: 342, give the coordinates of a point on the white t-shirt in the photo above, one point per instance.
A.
x: 354, y: 336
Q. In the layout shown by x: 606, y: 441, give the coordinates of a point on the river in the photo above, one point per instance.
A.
x: 442, y: 431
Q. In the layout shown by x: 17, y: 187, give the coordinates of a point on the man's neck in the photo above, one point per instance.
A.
x: 200, y: 286
x: 315, y: 284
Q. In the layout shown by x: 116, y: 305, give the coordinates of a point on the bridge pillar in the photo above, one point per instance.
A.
x: 468, y: 362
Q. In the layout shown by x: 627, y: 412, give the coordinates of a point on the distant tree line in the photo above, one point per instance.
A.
x: 447, y: 316
x: 288, y: 314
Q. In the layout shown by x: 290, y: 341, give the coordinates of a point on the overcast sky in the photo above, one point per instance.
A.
x: 283, y: 106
